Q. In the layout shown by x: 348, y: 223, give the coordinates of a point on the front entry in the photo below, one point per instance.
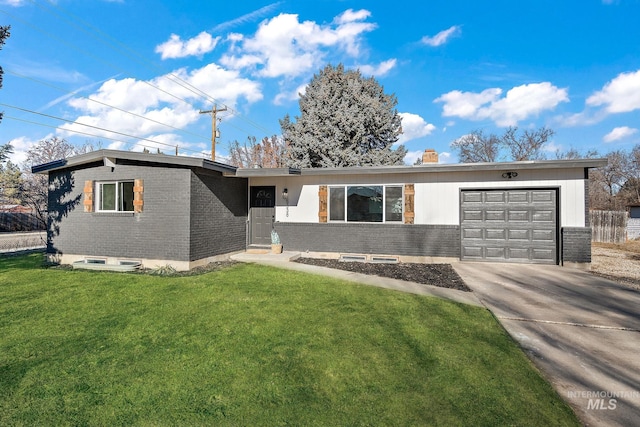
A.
x: 262, y: 213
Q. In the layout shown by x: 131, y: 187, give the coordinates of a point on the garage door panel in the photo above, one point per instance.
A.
x: 518, y: 197
x: 472, y: 233
x: 495, y: 215
x: 546, y: 215
x: 544, y: 236
x: 495, y: 234
x: 519, y: 254
x: 495, y: 253
x: 519, y: 234
x: 472, y: 252
x: 519, y: 215
x: 547, y: 196
x: 543, y: 254
x: 472, y: 216
x: 472, y: 197
x: 496, y: 197
x: 509, y: 225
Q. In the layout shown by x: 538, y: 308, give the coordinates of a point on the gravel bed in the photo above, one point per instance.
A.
x: 615, y: 264
x: 441, y: 275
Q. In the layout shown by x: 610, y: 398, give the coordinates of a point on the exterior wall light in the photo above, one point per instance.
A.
x: 285, y: 194
x: 509, y: 175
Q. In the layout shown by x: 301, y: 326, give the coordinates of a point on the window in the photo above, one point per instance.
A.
x: 336, y: 204
x: 393, y: 204
x: 115, y: 196
x: 365, y: 203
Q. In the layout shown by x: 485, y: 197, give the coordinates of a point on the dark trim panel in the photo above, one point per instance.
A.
x: 576, y: 244
x: 387, y: 239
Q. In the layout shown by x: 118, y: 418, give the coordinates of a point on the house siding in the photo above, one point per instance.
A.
x: 219, y: 215
x: 161, y: 231
x: 387, y: 239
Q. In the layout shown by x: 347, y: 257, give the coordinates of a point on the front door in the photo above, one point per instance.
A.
x: 262, y: 214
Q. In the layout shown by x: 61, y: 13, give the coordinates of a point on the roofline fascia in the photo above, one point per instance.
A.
x: 460, y: 167
x: 111, y: 155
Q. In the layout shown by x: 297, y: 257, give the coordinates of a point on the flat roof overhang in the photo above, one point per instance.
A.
x: 110, y: 157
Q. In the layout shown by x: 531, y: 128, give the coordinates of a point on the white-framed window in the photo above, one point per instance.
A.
x: 365, y: 203
x: 114, y: 196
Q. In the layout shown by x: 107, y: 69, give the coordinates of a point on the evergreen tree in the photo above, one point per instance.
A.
x: 345, y: 120
x: 5, y: 32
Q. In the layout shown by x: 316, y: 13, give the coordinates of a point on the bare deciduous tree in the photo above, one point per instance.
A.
x: 528, y: 145
x: 606, y: 182
x: 35, y: 187
x: 268, y: 153
x: 476, y: 147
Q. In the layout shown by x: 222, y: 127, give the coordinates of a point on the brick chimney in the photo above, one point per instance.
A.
x: 429, y: 156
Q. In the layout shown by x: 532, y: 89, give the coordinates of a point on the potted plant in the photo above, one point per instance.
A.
x: 276, y: 245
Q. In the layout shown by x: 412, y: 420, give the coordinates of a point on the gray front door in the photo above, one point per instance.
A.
x: 261, y: 214
x: 509, y: 225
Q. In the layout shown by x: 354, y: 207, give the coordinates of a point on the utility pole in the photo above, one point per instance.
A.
x: 214, y: 111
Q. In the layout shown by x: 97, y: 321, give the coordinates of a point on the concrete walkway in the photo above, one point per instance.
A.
x: 581, y: 331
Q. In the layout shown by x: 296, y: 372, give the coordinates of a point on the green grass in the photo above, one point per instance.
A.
x: 251, y: 345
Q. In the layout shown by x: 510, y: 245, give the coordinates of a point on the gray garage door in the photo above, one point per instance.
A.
x: 509, y: 225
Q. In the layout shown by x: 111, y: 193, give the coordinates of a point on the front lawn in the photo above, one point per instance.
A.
x: 252, y: 345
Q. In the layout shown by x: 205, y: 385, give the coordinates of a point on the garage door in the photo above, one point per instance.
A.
x: 509, y: 225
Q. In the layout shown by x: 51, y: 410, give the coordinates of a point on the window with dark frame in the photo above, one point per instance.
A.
x: 365, y: 203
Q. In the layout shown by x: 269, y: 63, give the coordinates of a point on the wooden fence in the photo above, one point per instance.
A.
x: 13, y: 221
x: 608, y: 226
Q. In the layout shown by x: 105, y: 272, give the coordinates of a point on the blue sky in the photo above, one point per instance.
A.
x: 138, y: 71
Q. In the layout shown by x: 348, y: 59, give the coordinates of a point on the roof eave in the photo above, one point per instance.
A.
x: 459, y: 167
x: 112, y: 155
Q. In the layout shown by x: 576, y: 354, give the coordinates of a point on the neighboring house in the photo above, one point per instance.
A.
x: 186, y: 212
x: 16, y: 209
x: 633, y: 222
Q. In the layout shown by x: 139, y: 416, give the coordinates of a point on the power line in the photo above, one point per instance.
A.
x: 127, y: 143
x: 175, y: 79
x: 84, y: 124
x: 141, y: 60
x: 102, y: 103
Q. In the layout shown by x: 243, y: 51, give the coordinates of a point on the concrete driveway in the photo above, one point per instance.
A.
x: 583, y: 333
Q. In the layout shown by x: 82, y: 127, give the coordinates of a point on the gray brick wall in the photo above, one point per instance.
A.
x: 388, y: 239
x: 161, y: 231
x: 218, y: 214
x: 576, y: 244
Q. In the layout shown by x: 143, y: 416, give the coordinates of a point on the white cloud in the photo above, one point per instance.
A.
x: 446, y: 157
x: 196, y: 46
x: 251, y: 16
x: 293, y: 95
x: 283, y: 46
x: 20, y: 147
x: 379, y: 70
x: 620, y: 95
x: 442, y: 37
x: 518, y: 104
x: 619, y: 133
x: 411, y: 157
x: 13, y: 2
x: 466, y: 104
x: 413, y: 127
x: 171, y: 105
